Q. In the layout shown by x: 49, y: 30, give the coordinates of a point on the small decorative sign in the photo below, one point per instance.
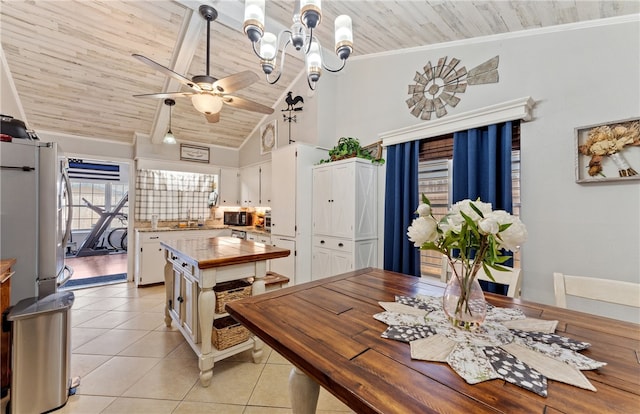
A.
x: 194, y: 153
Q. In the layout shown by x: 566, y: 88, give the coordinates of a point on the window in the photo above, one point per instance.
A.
x: 104, y: 196
x: 434, y: 180
x: 173, y: 195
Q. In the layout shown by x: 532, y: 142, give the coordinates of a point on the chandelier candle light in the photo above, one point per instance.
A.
x: 471, y: 236
x: 308, y: 17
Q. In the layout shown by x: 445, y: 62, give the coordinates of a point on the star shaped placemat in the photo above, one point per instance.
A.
x: 509, y: 346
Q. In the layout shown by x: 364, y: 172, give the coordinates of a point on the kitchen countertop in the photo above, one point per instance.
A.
x: 251, y: 229
x: 248, y: 229
x: 174, y: 228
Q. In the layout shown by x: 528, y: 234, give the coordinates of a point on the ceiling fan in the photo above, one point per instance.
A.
x: 207, y: 93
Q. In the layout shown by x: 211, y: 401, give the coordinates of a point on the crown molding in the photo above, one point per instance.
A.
x: 520, y: 108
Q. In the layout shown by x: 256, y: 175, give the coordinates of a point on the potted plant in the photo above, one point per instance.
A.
x: 349, y: 147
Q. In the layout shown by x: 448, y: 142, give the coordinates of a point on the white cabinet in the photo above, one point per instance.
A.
x: 344, y: 217
x: 250, y: 186
x: 286, y: 266
x: 283, y: 205
x: 291, y: 181
x: 265, y: 185
x: 334, y: 255
x: 150, y: 259
x: 255, y: 186
x: 344, y: 199
x: 229, y: 194
x: 291, y: 203
x: 259, y: 237
x: 183, y: 302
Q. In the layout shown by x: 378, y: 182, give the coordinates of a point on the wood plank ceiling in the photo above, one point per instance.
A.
x: 73, y: 71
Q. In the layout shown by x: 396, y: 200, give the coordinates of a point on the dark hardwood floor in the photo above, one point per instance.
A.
x: 101, y: 265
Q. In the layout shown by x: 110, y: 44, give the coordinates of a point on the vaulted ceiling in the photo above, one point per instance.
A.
x: 74, y: 74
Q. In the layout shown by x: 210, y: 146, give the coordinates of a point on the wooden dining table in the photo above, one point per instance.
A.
x: 326, y: 329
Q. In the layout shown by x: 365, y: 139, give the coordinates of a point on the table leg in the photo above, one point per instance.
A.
x: 206, y: 306
x: 256, y: 353
x: 303, y: 392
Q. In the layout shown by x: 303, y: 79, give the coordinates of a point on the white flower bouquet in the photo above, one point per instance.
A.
x: 472, y: 234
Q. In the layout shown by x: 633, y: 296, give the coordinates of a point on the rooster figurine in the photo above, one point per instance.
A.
x: 292, y: 102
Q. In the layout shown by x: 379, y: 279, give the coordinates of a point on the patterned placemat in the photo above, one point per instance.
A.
x: 509, y: 346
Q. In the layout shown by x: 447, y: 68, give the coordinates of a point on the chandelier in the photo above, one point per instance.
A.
x: 307, y: 18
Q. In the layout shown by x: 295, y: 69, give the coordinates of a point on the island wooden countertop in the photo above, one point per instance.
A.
x: 211, y: 252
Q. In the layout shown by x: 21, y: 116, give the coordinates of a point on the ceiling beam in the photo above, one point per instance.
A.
x: 183, y: 53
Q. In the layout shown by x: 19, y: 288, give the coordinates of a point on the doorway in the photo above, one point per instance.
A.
x: 97, y: 250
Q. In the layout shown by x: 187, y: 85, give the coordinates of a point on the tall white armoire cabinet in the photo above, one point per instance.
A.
x: 345, y: 216
x: 291, y: 208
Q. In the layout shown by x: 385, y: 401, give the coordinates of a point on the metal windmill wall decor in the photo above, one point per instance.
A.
x: 291, y: 107
x: 437, y: 86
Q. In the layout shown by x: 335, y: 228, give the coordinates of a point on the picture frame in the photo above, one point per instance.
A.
x: 194, y: 153
x: 595, y: 160
x: 268, y: 137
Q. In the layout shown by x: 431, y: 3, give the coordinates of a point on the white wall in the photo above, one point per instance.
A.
x: 579, y: 75
x: 308, y: 127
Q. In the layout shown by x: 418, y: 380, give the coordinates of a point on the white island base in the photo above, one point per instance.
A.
x: 191, y: 301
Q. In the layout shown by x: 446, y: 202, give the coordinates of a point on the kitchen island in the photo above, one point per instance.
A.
x: 193, y: 267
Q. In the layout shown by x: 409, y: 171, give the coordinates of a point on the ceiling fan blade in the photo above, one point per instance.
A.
x: 232, y: 83
x: 246, y: 104
x: 167, y: 71
x: 165, y: 95
x: 212, y: 118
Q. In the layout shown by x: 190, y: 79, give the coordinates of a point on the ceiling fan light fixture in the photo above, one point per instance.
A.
x: 207, y: 103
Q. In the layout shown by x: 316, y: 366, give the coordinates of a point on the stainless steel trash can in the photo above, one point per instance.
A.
x: 40, y: 374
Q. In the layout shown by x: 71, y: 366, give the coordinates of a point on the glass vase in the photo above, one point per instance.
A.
x: 465, y: 306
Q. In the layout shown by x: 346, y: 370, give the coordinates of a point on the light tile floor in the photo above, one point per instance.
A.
x: 128, y: 361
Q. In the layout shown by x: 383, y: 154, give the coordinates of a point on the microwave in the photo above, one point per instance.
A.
x: 237, y: 218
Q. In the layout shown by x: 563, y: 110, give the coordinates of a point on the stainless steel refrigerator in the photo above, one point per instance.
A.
x: 35, y: 216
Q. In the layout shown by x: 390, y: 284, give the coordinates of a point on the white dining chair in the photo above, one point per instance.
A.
x: 511, y: 277
x: 604, y: 290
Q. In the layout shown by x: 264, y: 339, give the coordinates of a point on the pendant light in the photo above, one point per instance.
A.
x: 169, y: 138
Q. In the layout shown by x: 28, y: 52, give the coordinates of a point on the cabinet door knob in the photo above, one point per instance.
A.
x: 340, y: 245
x: 180, y: 299
x: 321, y: 241
x: 173, y: 257
x: 184, y: 264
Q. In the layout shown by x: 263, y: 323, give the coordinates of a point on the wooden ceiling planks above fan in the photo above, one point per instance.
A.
x: 209, y: 94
